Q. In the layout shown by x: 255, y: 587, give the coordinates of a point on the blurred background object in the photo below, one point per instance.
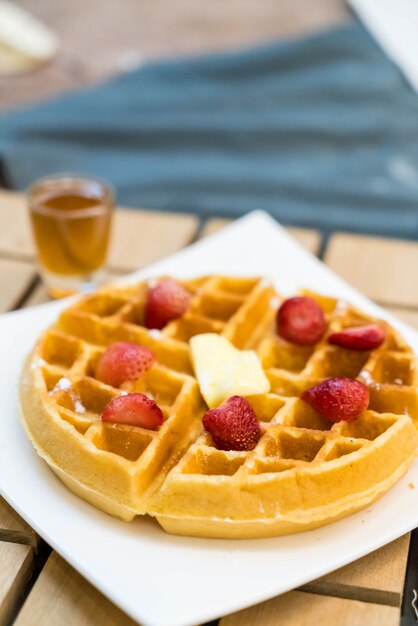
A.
x: 101, y: 38
x: 297, y: 109
x: 25, y: 43
x: 394, y: 23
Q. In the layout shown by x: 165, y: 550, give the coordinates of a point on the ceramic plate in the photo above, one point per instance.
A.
x: 163, y: 580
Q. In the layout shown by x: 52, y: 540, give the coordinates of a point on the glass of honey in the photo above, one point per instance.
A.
x: 71, y: 220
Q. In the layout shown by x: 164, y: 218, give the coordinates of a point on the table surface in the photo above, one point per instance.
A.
x: 37, y: 587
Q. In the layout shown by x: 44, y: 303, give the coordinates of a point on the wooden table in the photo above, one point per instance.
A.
x: 37, y: 587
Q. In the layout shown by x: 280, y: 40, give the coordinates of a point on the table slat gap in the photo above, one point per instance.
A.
x: 213, y: 225
x: 60, y: 592
x: 349, y: 592
x: 15, y: 235
x: 14, y: 529
x: 16, y: 278
x: 299, y: 608
x: 15, y: 572
x: 310, y: 239
x: 377, y: 577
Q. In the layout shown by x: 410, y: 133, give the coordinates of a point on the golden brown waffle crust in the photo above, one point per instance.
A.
x: 363, y: 487
x: 304, y: 472
x: 48, y: 433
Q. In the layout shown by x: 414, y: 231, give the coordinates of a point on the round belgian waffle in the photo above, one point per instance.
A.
x: 304, y: 472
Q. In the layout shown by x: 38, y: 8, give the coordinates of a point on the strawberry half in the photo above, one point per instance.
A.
x: 167, y: 301
x: 233, y: 425
x: 123, y: 361
x: 134, y: 409
x: 359, y: 337
x: 301, y: 320
x: 338, y: 399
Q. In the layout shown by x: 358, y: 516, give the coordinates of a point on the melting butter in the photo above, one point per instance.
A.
x: 223, y: 371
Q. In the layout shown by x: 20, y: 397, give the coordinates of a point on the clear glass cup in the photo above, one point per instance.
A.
x: 71, y: 219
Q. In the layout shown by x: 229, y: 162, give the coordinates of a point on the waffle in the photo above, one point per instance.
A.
x: 117, y: 467
x: 304, y: 472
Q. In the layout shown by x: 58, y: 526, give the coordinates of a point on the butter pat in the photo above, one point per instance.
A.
x: 223, y: 371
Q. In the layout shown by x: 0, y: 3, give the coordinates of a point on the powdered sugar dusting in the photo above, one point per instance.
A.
x: 341, y: 306
x: 366, y: 377
x: 37, y: 363
x: 79, y: 407
x: 64, y: 384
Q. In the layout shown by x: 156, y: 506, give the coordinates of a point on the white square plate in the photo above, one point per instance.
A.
x: 163, y: 580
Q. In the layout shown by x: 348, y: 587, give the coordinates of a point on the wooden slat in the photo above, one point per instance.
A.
x: 16, y: 563
x: 409, y: 316
x: 15, y: 279
x: 383, y: 269
x: 15, y: 236
x: 142, y: 237
x: 61, y: 597
x: 378, y: 577
x: 213, y: 225
x: 309, y: 238
x: 298, y: 608
x: 13, y: 528
x: 38, y: 295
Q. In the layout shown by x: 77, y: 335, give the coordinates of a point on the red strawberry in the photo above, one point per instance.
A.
x: 338, y: 399
x: 123, y: 361
x: 301, y: 320
x: 359, y: 337
x: 134, y: 409
x: 167, y: 301
x: 234, y: 425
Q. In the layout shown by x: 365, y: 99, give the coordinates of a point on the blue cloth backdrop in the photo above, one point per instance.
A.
x: 320, y: 131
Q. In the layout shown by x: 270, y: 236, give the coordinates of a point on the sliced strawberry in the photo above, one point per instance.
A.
x: 135, y: 409
x: 123, y: 361
x: 359, y: 337
x: 301, y: 320
x: 234, y: 425
x: 167, y: 301
x: 338, y: 399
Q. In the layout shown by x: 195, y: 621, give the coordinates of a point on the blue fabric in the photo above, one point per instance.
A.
x: 321, y: 132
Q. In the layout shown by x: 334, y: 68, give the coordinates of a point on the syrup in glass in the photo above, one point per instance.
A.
x: 71, y: 222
